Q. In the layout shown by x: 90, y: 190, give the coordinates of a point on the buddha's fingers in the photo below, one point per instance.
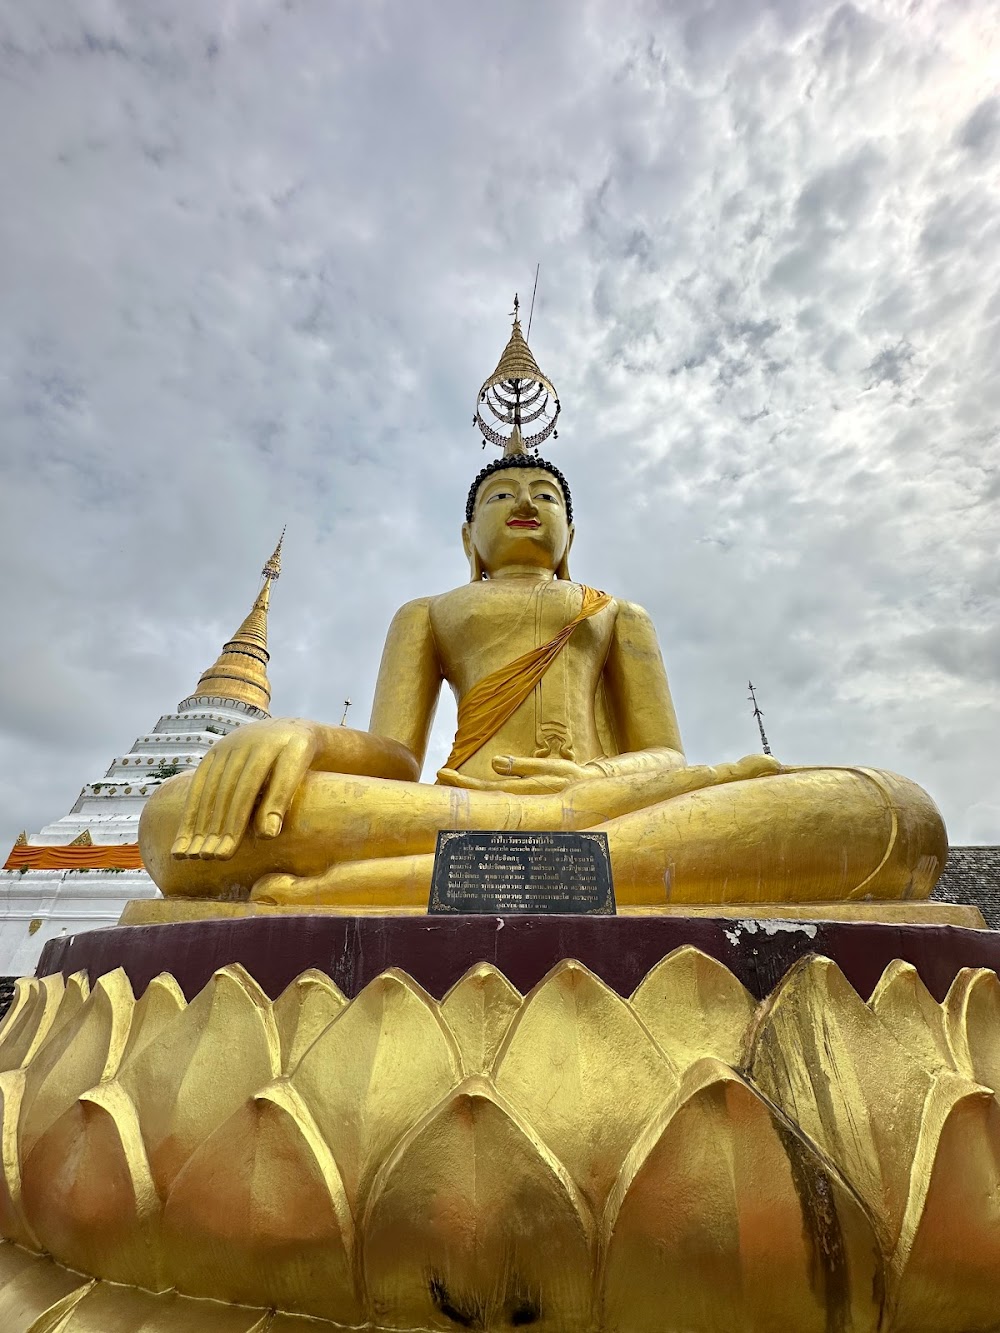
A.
x: 220, y: 841
x: 750, y: 766
x: 210, y: 793
x: 189, y: 819
x: 290, y: 767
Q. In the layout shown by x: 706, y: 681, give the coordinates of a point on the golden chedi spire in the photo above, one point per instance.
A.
x: 516, y: 394
x: 240, y: 671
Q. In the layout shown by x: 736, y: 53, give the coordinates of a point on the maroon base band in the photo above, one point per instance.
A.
x: 436, y: 951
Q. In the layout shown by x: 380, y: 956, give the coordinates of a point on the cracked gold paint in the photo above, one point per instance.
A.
x: 845, y: 1179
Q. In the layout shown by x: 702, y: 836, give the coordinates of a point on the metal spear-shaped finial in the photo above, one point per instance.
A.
x: 760, y: 718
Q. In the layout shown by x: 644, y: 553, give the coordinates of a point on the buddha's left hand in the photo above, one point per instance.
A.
x: 531, y: 777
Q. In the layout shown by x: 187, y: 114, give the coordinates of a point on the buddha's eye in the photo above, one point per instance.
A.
x: 500, y: 495
x: 547, y: 495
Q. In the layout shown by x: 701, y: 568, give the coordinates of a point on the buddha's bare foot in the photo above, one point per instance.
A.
x: 392, y: 881
x: 272, y: 890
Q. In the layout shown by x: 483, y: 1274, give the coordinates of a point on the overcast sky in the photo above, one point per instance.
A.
x: 256, y: 258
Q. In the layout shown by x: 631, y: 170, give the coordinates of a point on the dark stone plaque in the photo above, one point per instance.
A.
x: 504, y: 873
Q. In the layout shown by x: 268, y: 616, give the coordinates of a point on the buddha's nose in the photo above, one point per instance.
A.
x: 526, y: 504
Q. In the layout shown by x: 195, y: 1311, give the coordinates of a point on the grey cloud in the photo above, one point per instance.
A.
x: 980, y: 134
x: 259, y: 260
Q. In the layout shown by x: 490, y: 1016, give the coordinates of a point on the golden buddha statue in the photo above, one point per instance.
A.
x: 565, y: 722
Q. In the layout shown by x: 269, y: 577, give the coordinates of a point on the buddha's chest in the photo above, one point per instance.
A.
x: 485, y: 626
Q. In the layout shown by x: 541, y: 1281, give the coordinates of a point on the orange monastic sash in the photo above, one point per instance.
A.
x: 492, y: 700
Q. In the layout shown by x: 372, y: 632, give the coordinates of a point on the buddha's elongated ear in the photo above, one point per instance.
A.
x: 562, y: 569
x: 476, y: 570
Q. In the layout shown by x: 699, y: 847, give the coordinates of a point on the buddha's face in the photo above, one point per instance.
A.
x: 519, y: 519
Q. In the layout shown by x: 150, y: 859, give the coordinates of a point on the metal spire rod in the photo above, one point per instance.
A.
x: 534, y: 289
x: 343, y: 720
x: 760, y: 718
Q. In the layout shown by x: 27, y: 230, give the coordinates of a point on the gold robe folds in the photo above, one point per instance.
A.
x: 492, y: 700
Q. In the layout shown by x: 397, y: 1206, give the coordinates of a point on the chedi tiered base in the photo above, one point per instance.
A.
x: 684, y: 1159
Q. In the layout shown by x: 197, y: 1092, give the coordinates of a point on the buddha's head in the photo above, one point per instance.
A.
x: 519, y: 512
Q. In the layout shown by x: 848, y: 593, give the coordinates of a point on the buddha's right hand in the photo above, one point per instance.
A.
x: 260, y: 765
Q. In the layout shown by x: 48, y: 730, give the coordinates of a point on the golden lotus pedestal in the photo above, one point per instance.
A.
x: 227, y: 1118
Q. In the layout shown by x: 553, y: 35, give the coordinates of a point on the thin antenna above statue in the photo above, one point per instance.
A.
x: 760, y: 718
x: 531, y: 310
x: 343, y: 720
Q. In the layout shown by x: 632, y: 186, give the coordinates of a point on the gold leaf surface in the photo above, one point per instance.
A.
x: 89, y: 1195
x: 948, y: 1257
x: 14, y: 1224
x: 113, y: 1309
x: 32, y: 1287
x: 473, y: 1223
x: 694, y: 1007
x: 259, y: 1214
x: 726, y: 1217
x: 160, y: 1003
x: 30, y: 1021
x: 479, y: 1009
x: 904, y: 1005
x: 584, y: 1072
x: 821, y: 1055
x: 375, y: 1070
x: 218, y: 1051
x: 304, y: 1009
x: 972, y: 1021
x: 78, y: 1054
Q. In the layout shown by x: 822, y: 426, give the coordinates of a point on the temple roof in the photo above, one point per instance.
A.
x: 972, y: 875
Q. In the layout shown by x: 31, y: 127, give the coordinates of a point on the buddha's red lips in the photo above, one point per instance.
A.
x: 523, y: 523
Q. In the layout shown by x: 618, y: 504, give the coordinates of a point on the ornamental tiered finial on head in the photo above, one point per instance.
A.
x: 515, y: 395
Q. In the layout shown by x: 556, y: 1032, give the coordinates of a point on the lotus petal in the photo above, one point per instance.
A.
x: 694, y: 1007
x: 972, y: 1019
x: 259, y: 1214
x: 32, y: 1287
x: 78, y: 1054
x: 821, y: 1054
x: 374, y: 1072
x: 89, y: 1195
x: 208, y: 1060
x: 14, y: 1224
x: 479, y: 1009
x: 725, y: 1217
x: 112, y: 1309
x: 161, y: 1002
x: 948, y: 1259
x: 906, y: 1007
x: 25, y: 991
x: 473, y: 1223
x: 585, y: 1073
x: 306, y: 1006
x: 30, y: 1022
x: 74, y: 996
